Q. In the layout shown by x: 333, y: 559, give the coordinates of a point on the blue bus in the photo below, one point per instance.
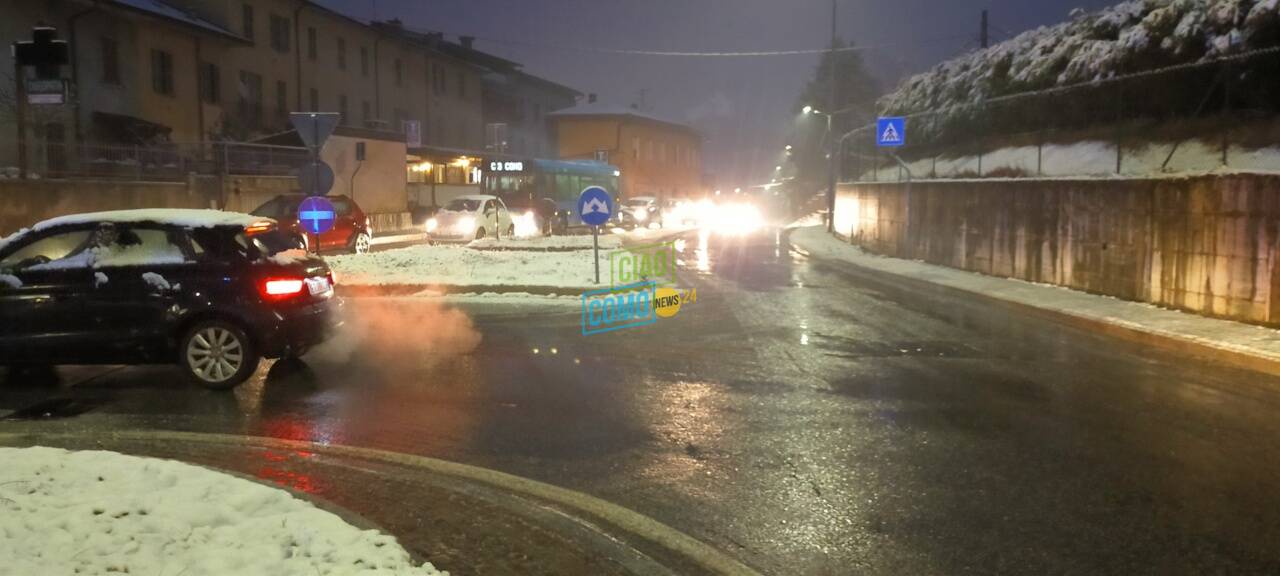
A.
x: 547, y: 189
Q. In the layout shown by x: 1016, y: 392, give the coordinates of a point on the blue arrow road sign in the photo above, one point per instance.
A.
x: 316, y: 215
x: 891, y: 132
x: 595, y: 206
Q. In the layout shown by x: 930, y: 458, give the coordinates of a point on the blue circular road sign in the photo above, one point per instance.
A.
x: 316, y: 214
x: 595, y: 206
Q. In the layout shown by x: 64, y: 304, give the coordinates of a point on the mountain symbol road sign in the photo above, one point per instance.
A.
x: 595, y: 206
x: 891, y: 132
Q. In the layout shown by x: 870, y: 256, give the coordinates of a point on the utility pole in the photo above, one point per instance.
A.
x: 984, y: 35
x: 831, y: 141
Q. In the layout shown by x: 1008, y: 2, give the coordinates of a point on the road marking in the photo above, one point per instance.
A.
x: 692, y: 549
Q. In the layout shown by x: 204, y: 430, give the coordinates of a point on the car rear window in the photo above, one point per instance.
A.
x: 279, y: 208
x: 269, y: 243
x: 463, y: 205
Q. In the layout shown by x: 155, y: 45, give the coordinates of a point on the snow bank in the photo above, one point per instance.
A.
x: 1090, y: 158
x: 462, y: 266
x: 177, y: 216
x: 98, y: 512
x: 10, y: 281
x: 548, y: 243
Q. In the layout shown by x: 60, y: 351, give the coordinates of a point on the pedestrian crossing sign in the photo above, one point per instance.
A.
x: 891, y: 132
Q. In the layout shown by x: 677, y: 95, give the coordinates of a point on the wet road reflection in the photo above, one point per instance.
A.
x: 807, y: 417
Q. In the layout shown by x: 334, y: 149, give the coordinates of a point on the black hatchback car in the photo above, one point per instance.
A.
x: 211, y: 291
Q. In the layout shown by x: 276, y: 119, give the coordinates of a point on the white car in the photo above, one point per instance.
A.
x: 468, y: 218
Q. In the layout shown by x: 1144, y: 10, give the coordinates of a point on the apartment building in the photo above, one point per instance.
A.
x: 657, y: 157
x: 198, y: 70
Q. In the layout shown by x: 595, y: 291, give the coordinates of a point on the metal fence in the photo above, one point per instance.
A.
x: 1188, y: 118
x: 155, y: 163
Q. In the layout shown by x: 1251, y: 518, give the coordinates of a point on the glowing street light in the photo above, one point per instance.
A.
x: 808, y: 110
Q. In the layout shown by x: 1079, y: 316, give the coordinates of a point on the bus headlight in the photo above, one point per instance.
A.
x: 432, y: 225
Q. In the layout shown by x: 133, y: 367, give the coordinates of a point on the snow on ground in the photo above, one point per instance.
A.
x: 1091, y: 159
x: 98, y: 512
x: 582, y: 242
x: 1210, y: 332
x: 10, y: 281
x: 463, y: 266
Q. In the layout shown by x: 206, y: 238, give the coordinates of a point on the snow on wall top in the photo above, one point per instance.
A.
x: 1131, y: 36
x: 176, y: 216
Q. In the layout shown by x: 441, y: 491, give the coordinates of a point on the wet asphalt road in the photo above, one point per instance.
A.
x: 805, y: 416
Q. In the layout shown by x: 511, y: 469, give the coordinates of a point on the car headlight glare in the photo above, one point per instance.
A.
x: 432, y: 224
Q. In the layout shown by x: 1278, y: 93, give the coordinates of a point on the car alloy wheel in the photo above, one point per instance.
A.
x: 361, y: 245
x: 218, y: 355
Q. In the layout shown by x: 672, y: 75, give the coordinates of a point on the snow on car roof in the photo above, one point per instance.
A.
x: 475, y: 197
x: 177, y: 216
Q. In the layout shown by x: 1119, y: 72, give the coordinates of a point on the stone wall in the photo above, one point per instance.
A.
x: 1206, y: 244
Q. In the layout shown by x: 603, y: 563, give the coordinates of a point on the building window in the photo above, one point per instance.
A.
x: 280, y: 34
x: 342, y: 108
x: 399, y: 72
x: 162, y: 72
x: 313, y: 97
x: 210, y: 83
x: 282, y: 99
x: 311, y: 43
x: 364, y: 61
x: 342, y: 54
x: 250, y: 98
x: 110, y: 61
x: 495, y: 136
x: 365, y: 111
x: 635, y: 149
x: 246, y: 21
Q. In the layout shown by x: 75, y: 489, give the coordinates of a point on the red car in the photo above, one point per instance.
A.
x: 351, y: 232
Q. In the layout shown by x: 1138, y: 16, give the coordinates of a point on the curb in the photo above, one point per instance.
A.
x: 1204, y: 350
x: 590, y: 510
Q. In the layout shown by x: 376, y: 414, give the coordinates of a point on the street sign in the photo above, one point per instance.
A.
x: 314, y: 127
x: 595, y: 206
x: 316, y: 214
x: 891, y: 132
x: 46, y: 91
x: 44, y: 51
x: 315, y: 178
x: 412, y: 133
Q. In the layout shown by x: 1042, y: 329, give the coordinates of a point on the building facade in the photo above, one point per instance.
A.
x: 200, y: 70
x: 657, y: 157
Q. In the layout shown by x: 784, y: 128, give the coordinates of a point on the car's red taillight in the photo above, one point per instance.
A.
x: 281, y: 288
x: 333, y: 280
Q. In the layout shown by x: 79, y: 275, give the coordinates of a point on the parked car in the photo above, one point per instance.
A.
x: 468, y: 218
x: 352, y: 231
x: 211, y: 291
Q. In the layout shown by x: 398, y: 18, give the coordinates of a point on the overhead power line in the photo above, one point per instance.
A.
x: 693, y: 54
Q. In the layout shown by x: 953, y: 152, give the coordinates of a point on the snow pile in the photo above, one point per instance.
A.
x: 1131, y: 36
x: 10, y: 281
x: 156, y: 281
x: 462, y: 266
x: 101, y: 512
x: 100, y: 280
x: 580, y: 242
x: 177, y: 216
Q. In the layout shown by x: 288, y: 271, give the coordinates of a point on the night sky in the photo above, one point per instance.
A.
x: 742, y: 105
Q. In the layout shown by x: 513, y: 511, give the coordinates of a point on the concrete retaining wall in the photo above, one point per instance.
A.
x: 1206, y: 244
x: 25, y: 202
